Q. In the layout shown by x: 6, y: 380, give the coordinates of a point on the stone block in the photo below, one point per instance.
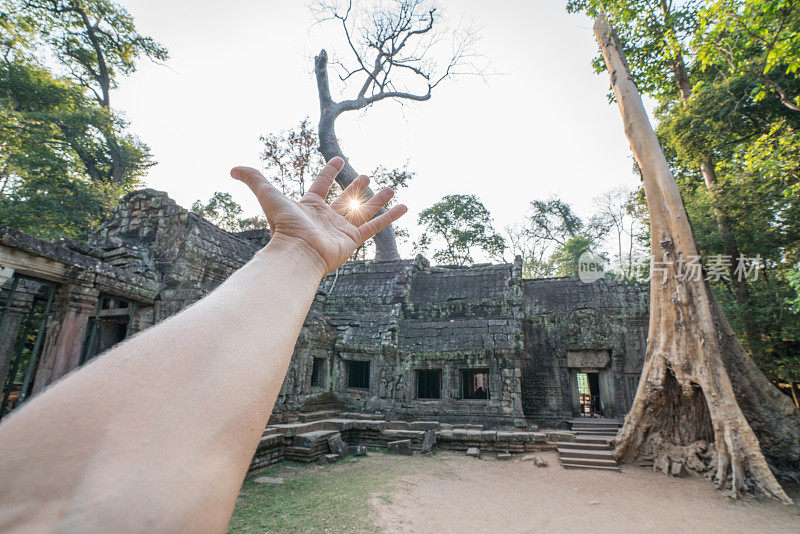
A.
x: 445, y: 435
x: 459, y: 434
x: 504, y: 456
x: 466, y: 426
x: 338, y: 446
x: 373, y: 426
x: 537, y: 437
x: 428, y: 441
x: 474, y: 435
x: 331, y: 458
x: 425, y: 425
x: 397, y: 425
x: 474, y: 452
x: 401, y: 446
x: 560, y: 435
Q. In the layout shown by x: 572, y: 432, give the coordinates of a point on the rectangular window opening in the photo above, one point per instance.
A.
x: 429, y: 384
x: 475, y: 383
x: 357, y: 374
x: 317, y: 373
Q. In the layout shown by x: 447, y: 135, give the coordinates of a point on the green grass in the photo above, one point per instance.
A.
x: 331, y: 498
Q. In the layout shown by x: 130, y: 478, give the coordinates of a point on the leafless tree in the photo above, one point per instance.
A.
x: 397, y: 50
x: 617, y: 211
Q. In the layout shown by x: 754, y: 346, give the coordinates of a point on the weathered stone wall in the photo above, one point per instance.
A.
x: 564, y: 315
x: 149, y: 233
x: 406, y: 316
x: 400, y: 316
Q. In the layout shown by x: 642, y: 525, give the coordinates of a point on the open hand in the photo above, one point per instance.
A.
x: 329, y: 234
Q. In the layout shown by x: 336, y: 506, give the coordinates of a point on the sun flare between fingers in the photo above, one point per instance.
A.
x: 354, y: 204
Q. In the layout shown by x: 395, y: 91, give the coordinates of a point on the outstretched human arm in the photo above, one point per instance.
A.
x: 157, y: 434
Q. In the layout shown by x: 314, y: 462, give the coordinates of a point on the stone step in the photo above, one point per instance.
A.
x: 310, y: 439
x: 583, y: 446
x: 579, y: 427
x: 600, y: 432
x: 306, y: 417
x: 584, y: 454
x: 593, y: 421
x: 593, y: 439
x: 570, y: 465
x: 591, y: 462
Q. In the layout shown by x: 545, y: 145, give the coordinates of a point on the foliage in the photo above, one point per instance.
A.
x: 654, y: 34
x: 560, y: 236
x: 226, y: 213
x: 48, y: 129
x: 723, y: 74
x: 66, y: 157
x: 755, y: 38
x: 461, y: 225
x: 794, y: 281
x: 291, y: 158
x: 95, y: 41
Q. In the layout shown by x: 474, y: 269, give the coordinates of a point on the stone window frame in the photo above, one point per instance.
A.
x: 347, y: 385
x: 416, y: 384
x: 321, y: 374
x: 488, y: 373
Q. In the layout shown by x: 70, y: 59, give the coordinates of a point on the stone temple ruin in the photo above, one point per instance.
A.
x: 389, y: 351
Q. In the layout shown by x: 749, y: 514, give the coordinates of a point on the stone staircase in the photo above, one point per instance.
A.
x: 592, y: 446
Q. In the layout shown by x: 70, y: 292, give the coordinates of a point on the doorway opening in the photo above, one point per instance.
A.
x: 24, y: 317
x: 589, y: 395
x: 110, y: 325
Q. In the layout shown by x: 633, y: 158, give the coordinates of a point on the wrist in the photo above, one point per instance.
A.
x: 297, y: 254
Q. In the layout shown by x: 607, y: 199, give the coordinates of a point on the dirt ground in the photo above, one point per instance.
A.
x: 491, y: 496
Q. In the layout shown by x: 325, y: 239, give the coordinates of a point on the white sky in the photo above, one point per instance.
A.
x: 242, y: 68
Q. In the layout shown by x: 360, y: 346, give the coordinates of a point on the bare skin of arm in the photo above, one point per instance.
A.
x: 157, y: 434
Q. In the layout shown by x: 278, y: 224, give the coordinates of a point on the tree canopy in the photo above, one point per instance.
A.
x: 458, y: 226
x: 723, y: 76
x: 66, y: 157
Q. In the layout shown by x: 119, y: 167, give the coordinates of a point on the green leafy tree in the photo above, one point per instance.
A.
x: 555, y: 225
x: 44, y: 188
x: 723, y: 73
x: 459, y: 225
x: 63, y: 145
x: 95, y: 42
x: 759, y: 39
x: 226, y: 213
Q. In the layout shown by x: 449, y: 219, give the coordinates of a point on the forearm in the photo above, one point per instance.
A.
x: 183, y: 404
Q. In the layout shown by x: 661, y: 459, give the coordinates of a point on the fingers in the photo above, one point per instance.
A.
x: 370, y: 228
x: 326, y: 177
x: 268, y: 196
x: 353, y: 192
x: 371, y: 206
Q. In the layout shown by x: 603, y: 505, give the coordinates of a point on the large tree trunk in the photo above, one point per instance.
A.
x: 701, y: 401
x: 385, y: 242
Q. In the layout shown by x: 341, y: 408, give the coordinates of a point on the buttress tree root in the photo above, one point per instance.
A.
x: 701, y: 403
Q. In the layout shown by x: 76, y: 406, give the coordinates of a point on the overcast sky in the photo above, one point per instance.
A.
x: 541, y: 126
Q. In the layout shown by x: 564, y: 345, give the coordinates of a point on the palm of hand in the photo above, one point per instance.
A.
x: 330, y: 232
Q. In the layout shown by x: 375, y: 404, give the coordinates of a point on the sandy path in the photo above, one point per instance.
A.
x: 492, y: 496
